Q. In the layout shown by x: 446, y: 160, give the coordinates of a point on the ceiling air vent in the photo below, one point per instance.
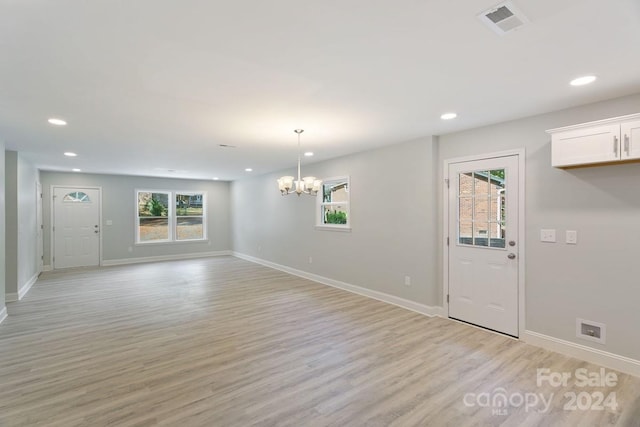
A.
x: 503, y: 18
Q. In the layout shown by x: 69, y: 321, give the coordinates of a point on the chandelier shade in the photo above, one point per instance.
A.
x: 307, y: 185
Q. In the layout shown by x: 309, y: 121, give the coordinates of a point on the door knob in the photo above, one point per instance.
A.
x: 511, y: 256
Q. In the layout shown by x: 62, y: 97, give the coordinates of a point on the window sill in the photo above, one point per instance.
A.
x: 171, y: 242
x: 333, y: 228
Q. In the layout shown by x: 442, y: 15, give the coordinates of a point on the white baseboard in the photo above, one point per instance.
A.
x: 13, y: 296
x: 3, y: 314
x: 47, y: 268
x: 25, y: 288
x: 579, y: 351
x: 380, y: 296
x: 176, y: 257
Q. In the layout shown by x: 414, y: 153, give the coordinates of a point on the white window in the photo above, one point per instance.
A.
x: 333, y: 204
x: 166, y: 216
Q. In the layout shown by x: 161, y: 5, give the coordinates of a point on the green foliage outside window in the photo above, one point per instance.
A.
x: 336, y: 217
x: 156, y: 208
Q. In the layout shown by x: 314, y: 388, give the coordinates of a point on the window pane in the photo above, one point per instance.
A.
x: 481, y: 233
x: 153, y: 204
x: 466, y: 209
x: 154, y: 229
x: 77, y: 196
x: 481, y: 209
x: 334, y: 214
x: 335, y: 191
x: 466, y: 184
x: 189, y: 204
x: 189, y: 228
x: 481, y: 183
x: 465, y: 233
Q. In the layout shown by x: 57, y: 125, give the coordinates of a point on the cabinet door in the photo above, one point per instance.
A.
x: 630, y: 140
x: 598, y: 144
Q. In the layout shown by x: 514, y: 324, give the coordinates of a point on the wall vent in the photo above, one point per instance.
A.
x: 503, y: 18
x: 591, y: 331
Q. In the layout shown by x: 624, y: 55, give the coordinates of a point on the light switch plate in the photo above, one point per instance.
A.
x: 572, y: 237
x: 548, y: 235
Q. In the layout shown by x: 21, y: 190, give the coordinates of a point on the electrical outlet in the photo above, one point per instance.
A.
x: 572, y: 237
x: 407, y: 280
x: 310, y: 260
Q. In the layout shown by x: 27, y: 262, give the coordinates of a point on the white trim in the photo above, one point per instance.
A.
x: 3, y: 314
x: 334, y: 228
x: 17, y: 296
x: 25, y: 288
x: 380, y: 296
x: 520, y: 153
x: 47, y: 268
x: 175, y: 257
x: 579, y: 351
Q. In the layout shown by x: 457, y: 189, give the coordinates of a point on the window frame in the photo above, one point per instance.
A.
x: 172, y: 217
x: 320, y: 204
x: 203, y: 216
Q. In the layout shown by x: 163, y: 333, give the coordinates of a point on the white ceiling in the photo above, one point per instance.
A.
x: 152, y: 85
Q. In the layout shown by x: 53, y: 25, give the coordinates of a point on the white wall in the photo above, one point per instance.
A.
x: 119, y: 206
x: 2, y: 229
x: 597, y: 279
x: 393, y: 214
x: 11, y: 225
x: 21, y: 229
x: 28, y: 265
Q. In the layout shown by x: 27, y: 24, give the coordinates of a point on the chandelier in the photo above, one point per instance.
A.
x: 307, y: 185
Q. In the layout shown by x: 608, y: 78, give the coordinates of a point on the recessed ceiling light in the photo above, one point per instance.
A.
x: 215, y: 178
x: 70, y: 154
x: 581, y: 81
x: 308, y: 154
x: 57, y: 122
x: 248, y: 170
x: 448, y: 116
x: 76, y: 170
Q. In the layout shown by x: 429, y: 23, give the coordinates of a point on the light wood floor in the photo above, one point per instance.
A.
x: 224, y: 342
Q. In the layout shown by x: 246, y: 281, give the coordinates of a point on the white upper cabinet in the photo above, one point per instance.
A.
x: 605, y: 141
x: 630, y: 137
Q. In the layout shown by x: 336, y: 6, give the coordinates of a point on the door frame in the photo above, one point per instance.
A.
x: 52, y: 234
x: 520, y: 153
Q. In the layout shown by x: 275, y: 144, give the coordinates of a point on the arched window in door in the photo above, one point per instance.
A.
x: 76, y: 197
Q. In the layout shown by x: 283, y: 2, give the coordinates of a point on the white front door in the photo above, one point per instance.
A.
x: 483, y: 243
x: 76, y: 219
